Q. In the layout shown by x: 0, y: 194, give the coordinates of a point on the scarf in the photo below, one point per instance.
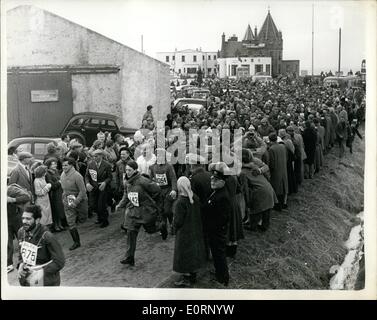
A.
x: 184, y: 188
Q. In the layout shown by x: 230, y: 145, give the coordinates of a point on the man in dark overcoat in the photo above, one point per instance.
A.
x: 216, y: 218
x: 98, y: 177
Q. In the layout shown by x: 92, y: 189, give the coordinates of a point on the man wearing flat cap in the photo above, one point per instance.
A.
x: 21, y: 174
x: 98, y: 177
x: 216, y: 218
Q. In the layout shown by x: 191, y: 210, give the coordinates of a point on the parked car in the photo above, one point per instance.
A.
x: 192, y: 103
x: 37, y: 146
x: 85, y: 126
x: 261, y: 78
x: 200, y: 93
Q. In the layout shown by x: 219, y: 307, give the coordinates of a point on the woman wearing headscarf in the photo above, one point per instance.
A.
x: 259, y: 195
x: 189, y: 250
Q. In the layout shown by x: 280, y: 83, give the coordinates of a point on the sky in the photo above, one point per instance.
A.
x: 167, y: 25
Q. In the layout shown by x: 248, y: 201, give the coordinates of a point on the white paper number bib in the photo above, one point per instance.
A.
x: 161, y: 179
x: 134, y: 198
x: 93, y: 174
x: 29, y: 253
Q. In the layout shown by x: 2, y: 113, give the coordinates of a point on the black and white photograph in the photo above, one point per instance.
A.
x: 188, y: 149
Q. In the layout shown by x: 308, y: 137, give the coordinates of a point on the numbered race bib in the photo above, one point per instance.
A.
x: 161, y: 179
x: 93, y: 174
x: 134, y: 198
x: 29, y: 253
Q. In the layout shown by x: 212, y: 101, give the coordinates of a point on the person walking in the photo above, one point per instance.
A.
x: 141, y: 203
x: 75, y: 200
x: 41, y: 254
x: 189, y: 251
x: 164, y: 175
x: 98, y: 178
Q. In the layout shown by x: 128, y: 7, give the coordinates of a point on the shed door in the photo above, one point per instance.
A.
x: 39, y: 104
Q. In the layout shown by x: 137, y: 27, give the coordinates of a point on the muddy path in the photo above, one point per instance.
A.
x: 297, y: 251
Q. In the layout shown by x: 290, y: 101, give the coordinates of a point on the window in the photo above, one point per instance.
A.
x: 183, y: 58
x: 173, y: 58
x: 78, y: 122
x: 167, y: 58
x: 214, y: 57
x: 40, y: 148
x: 258, y: 68
x: 209, y: 70
x: 111, y: 124
x: 194, y: 58
x: 191, y: 70
x: 251, y: 60
x: 179, y: 70
x: 268, y: 69
x: 204, y: 57
x: 25, y: 147
x: 234, y: 70
x: 184, y: 70
x: 209, y: 57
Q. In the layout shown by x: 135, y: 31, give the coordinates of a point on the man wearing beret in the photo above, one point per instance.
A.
x: 21, y: 174
x: 98, y: 177
x: 216, y: 218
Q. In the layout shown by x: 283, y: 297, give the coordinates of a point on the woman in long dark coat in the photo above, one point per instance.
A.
x: 310, y: 142
x: 235, y: 230
x: 189, y: 250
x: 259, y: 195
x: 55, y: 195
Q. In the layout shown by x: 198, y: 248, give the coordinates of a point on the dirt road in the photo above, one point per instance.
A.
x: 295, y: 253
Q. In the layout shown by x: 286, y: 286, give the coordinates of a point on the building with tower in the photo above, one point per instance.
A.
x: 268, y: 42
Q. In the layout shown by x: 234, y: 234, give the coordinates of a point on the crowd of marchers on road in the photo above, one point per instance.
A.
x: 287, y: 129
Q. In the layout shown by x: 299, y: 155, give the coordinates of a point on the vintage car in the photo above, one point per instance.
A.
x: 84, y: 127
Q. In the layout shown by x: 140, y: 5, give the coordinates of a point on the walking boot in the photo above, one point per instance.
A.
x: 163, y: 230
x: 129, y: 260
x: 76, y: 239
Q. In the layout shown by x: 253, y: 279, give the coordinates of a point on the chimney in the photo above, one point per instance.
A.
x: 223, y: 38
x: 255, y: 32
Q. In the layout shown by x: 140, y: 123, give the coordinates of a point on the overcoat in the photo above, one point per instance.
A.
x: 258, y: 192
x: 278, y: 168
x: 189, y: 250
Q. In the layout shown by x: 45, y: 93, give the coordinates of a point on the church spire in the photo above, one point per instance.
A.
x: 268, y: 30
x: 249, y: 36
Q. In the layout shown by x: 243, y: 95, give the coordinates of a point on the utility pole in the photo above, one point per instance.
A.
x: 312, y: 39
x: 340, y: 47
x: 142, y: 49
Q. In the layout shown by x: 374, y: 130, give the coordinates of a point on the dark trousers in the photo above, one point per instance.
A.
x: 131, y: 244
x: 217, y: 244
x: 98, y: 204
x: 132, y: 237
x: 12, y: 233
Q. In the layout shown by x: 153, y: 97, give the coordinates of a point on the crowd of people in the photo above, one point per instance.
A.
x: 287, y: 128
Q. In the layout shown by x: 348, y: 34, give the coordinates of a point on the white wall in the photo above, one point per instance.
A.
x: 224, y: 63
x: 38, y: 38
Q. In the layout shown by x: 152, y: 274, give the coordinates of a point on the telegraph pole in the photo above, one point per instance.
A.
x: 340, y: 47
x: 142, y: 49
x: 312, y: 39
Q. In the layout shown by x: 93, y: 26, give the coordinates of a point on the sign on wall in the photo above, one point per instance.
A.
x: 44, y: 95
